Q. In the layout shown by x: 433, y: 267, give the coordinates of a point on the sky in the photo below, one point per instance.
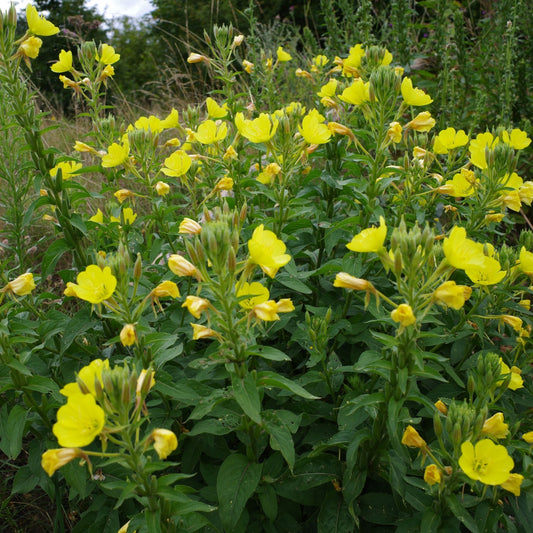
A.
x: 108, y: 8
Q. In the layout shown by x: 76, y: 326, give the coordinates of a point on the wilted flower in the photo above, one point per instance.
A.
x: 452, y: 295
x: 128, y: 335
x: 52, y: 460
x: 196, y: 305
x: 165, y: 442
x: 162, y: 188
x: 21, y: 285
x: 412, y: 438
x: 432, y: 474
x: 182, y: 267
x: 404, y: 315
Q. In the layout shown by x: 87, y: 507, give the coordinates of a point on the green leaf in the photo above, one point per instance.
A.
x: 78, y: 324
x: 279, y: 427
x: 268, y: 352
x: 334, y: 516
x: 216, y: 426
x: 269, y: 501
x: 271, y: 379
x: 53, y: 255
x: 237, y: 480
x: 247, y: 396
x: 461, y: 513
x: 11, y: 443
x: 24, y: 481
x: 153, y: 521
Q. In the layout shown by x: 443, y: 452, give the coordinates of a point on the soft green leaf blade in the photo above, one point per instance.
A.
x: 247, y: 396
x: 271, y: 379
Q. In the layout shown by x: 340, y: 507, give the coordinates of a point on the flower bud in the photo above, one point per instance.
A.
x: 128, y: 335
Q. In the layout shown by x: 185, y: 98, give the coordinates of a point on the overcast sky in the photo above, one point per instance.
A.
x: 108, y: 8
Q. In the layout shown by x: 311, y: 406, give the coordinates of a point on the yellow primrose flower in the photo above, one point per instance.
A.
x: 165, y: 442
x: 202, y: 332
x: 353, y: 61
x: 108, y: 72
x: 116, y: 154
x: 127, y: 214
x: 21, y: 285
x: 313, y: 130
x: 182, y: 267
x: 449, y: 139
x: 82, y: 147
x: 177, y: 164
x: 197, y: 58
x: 128, y: 335
x: 513, y: 321
x: 387, y: 58
x: 346, y: 281
x: 166, y: 289
x: 196, y: 305
x: 210, y: 132
x: 432, y: 474
x: 64, y: 64
x: 320, y: 60
x: 478, y: 147
x: 528, y: 437
x: 513, y: 484
x: 329, y: 89
x: 30, y: 47
x: 266, y: 311
x: 486, y: 462
x: 68, y: 168
x: 223, y: 184
x: 230, y: 154
x: 394, y: 133
x: 79, y: 422
x: 214, y: 110
x: 251, y: 294
x: 485, y: 271
x: 123, y: 194
x: 517, y: 139
x: 404, y: 315
x: 525, y: 261
x: 283, y: 56
x: 52, y: 460
x: 162, y: 188
x: 441, y: 407
x: 259, y: 130
x: 462, y: 185
x: 37, y: 24
x: 357, y: 93
x: 452, y: 295
x: 267, y: 251
x: 412, y: 438
x: 86, y: 379
x: 495, y: 427
x: 422, y: 122
x: 516, y: 379
x: 269, y: 172
x: 98, y: 217
x: 188, y: 226
x: 413, y: 96
x: 460, y: 251
x: 107, y: 56
x: 248, y: 66
x: 95, y: 284
x: 370, y: 239
x: 526, y: 192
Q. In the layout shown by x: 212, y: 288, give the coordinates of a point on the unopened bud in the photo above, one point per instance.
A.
x: 138, y: 268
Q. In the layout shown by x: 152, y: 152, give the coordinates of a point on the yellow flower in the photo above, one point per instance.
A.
x: 210, y: 132
x: 461, y: 252
x: 313, y: 130
x: 196, y: 305
x: 214, y: 110
x: 108, y: 72
x: 64, y: 64
x: 422, y: 122
x: 412, y: 438
x: 452, y: 295
x: 513, y: 321
x: 52, y: 460
x: 230, y: 154
x: 478, y: 146
x: 82, y: 147
x: 394, y: 133
x: 267, y: 251
x: 357, y: 93
x: 344, y: 280
x: 166, y: 289
x: 116, y: 154
x: 37, y: 24
x: 197, y: 58
x: 517, y: 139
x: 449, y: 139
x: 248, y: 66
x: 94, y: 284
x: 177, y: 164
x: 320, y: 60
x: 30, y: 47
x: 404, y: 315
x: 353, y: 61
x: 414, y: 96
x: 128, y: 335
x: 267, y: 311
x: 370, y: 239
x: 107, y: 55
x: 268, y: 174
x: 162, y: 188
x: 495, y: 427
x: 223, y: 184
x: 98, y: 217
x: 282, y: 55
x: 432, y: 474
x: 165, y: 442
x: 486, y: 271
x: 259, y: 130
x: 329, y: 89
x: 68, y: 168
x: 123, y: 194
x: 526, y: 192
x: 516, y: 379
x: 513, y: 483
x: 441, y: 406
x: 525, y: 261
x: 252, y: 294
x: 79, y: 422
x: 461, y: 186
x: 486, y: 462
x: 21, y: 285
x: 188, y: 226
x: 127, y: 214
x: 202, y: 332
x: 182, y: 267
x: 86, y: 379
x: 528, y: 437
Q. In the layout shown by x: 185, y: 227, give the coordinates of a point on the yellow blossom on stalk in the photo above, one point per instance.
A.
x: 353, y: 61
x: 452, y: 295
x: 516, y: 379
x: 188, y: 226
x: 197, y: 58
x: 127, y: 214
x: 441, y: 407
x: 320, y: 60
x: 517, y: 139
x: 166, y: 289
x: 394, y: 133
x: 107, y: 56
x: 495, y: 427
x: 128, y: 335
x: 412, y: 438
x: 460, y: 251
x: 177, y: 164
x: 210, y: 132
x: 513, y: 321
x: 116, y: 154
x: 182, y: 267
x: 248, y: 66
x: 82, y: 147
x: 202, y: 332
x: 525, y: 261
x: 528, y: 437
x: 329, y: 89
x: 414, y: 96
x: 283, y: 56
x: 462, y: 185
x: 30, y: 47
x: 95, y: 284
x: 214, y: 110
x: 341, y: 129
x: 346, y: 281
x: 86, y: 379
x: 252, y: 294
x: 54, y: 459
x: 513, y: 484
x: 21, y: 285
x: 526, y: 192
x: 478, y: 147
x: 98, y: 217
x: 64, y: 64
x: 37, y: 24
x: 387, y: 58
x: 165, y: 442
x: 68, y: 83
x: 404, y: 315
x: 162, y: 188
x: 268, y: 311
x: 268, y: 174
x: 79, y: 422
x: 123, y: 194
x: 230, y: 154
x: 259, y: 130
x: 223, y: 184
x: 267, y: 251
x: 68, y: 168
x: 370, y: 239
x: 196, y: 305
x: 422, y: 122
x: 357, y: 93
x: 486, y: 462
x: 485, y: 271
x: 313, y: 129
x: 449, y: 139
x: 494, y: 217
x: 432, y: 474
x: 108, y: 72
